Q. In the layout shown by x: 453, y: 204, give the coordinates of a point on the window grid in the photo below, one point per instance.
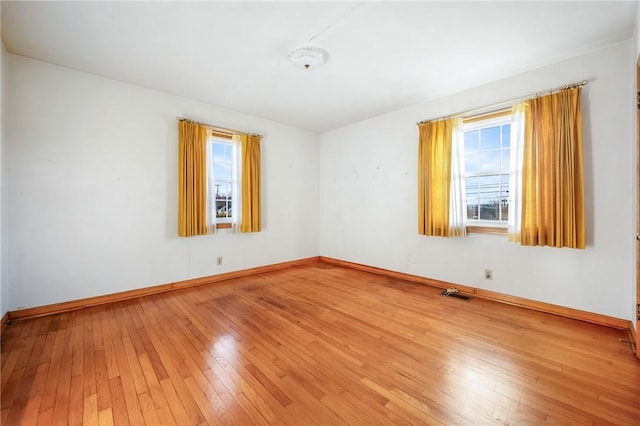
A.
x: 223, y: 181
x: 487, y: 145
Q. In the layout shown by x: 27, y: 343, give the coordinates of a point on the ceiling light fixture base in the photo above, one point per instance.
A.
x: 308, y: 57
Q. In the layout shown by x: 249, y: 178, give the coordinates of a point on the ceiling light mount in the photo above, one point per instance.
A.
x: 308, y: 57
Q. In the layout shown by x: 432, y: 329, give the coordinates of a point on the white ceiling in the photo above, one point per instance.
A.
x: 382, y: 55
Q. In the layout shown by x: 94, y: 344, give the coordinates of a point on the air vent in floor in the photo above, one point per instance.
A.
x: 456, y: 295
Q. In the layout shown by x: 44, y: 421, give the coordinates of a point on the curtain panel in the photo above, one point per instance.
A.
x: 552, y: 172
x: 211, y: 180
x: 249, y: 183
x: 516, y: 149
x: 458, y: 189
x: 192, y: 180
x: 436, y: 167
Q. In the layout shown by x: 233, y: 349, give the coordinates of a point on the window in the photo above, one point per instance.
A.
x: 223, y: 180
x: 517, y: 172
x: 211, y: 178
x: 487, y: 156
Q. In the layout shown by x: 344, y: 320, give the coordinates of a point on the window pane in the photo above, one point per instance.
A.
x: 471, y: 141
x: 472, y: 197
x: 224, y: 210
x: 489, y: 209
x: 218, y: 152
x: 222, y: 152
x: 472, y: 187
x: 490, y: 161
x: 223, y: 190
x: 506, y: 155
x: 504, y: 197
x: 490, y: 137
x: 489, y: 187
x: 471, y: 163
x: 223, y: 199
x: 505, y: 211
x: 227, y: 153
x: 506, y: 135
x: 472, y: 210
x: 222, y: 171
x: 504, y: 186
x: 222, y: 207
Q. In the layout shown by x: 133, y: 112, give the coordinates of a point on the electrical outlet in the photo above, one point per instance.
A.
x: 488, y: 274
x: 219, y: 260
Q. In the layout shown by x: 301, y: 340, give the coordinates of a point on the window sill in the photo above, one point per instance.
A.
x: 495, y: 230
x: 223, y: 226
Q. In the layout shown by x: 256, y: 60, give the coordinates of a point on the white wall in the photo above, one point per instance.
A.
x: 368, y: 195
x: 4, y: 284
x: 93, y: 188
x: 91, y: 191
x: 636, y: 34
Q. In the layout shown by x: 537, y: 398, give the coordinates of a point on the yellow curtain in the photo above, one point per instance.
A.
x: 192, y: 179
x: 434, y: 177
x: 553, y: 188
x: 250, y: 180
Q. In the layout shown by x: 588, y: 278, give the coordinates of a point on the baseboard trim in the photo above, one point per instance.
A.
x: 57, y: 308
x: 549, y: 308
x: 4, y: 322
x: 632, y: 337
x: 73, y: 305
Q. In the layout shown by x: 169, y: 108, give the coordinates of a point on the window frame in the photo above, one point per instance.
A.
x: 476, y: 122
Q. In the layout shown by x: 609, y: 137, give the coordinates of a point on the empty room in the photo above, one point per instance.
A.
x: 315, y: 213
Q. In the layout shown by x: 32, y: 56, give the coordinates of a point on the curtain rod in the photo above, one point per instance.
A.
x: 218, y: 128
x: 512, y: 101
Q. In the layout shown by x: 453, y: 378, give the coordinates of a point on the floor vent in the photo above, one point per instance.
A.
x: 456, y: 295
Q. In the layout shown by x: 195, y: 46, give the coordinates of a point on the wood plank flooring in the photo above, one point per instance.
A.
x: 316, y: 344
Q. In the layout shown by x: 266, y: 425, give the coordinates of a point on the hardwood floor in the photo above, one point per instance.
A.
x: 316, y: 344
